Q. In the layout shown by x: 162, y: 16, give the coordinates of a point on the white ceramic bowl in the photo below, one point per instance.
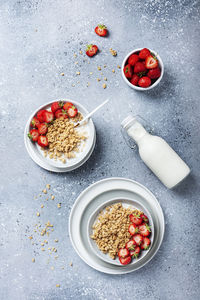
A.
x: 126, y: 202
x: 57, y: 166
x: 138, y: 88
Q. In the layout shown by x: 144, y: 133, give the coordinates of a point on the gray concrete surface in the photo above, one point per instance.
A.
x: 37, y: 43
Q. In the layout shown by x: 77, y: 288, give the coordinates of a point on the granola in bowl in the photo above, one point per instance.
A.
x: 120, y: 231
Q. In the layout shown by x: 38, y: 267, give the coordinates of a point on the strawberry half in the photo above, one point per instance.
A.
x: 136, y: 219
x: 144, y: 53
x: 35, y: 122
x: 91, y: 50
x: 130, y: 245
x: 72, y: 111
x: 126, y: 260
x: 33, y: 135
x: 40, y: 115
x: 128, y: 71
x: 67, y: 104
x: 123, y: 252
x: 146, y: 243
x: 151, y: 62
x: 43, y: 141
x: 101, y: 30
x: 133, y: 59
x: 138, y: 239
x: 48, y: 116
x: 56, y: 105
x: 42, y: 128
x: 144, y: 229
x: 133, y: 229
x: 145, y: 218
x: 61, y: 113
x: 135, y: 253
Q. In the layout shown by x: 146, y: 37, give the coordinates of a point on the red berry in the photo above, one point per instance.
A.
x: 154, y: 73
x: 136, y: 219
x: 133, y: 59
x: 40, y: 115
x: 72, y: 111
x: 35, y: 122
x: 144, y: 229
x: 61, y: 113
x: 145, y: 218
x: 146, y: 243
x: 101, y: 30
x: 139, y: 67
x: 144, y: 53
x: 128, y: 71
x: 43, y: 141
x: 138, y: 239
x: 67, y: 104
x: 126, y: 260
x: 56, y: 105
x: 151, y: 62
x: 133, y: 229
x: 33, y: 135
x: 135, y: 252
x: 123, y: 252
x: 130, y: 245
x: 91, y: 50
x: 48, y: 116
x: 42, y: 128
x: 144, y: 82
x: 135, y: 78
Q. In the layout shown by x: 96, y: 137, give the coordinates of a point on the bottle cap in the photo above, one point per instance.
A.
x: 127, y: 121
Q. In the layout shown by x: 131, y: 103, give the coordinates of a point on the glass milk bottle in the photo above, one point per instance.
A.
x: 161, y: 159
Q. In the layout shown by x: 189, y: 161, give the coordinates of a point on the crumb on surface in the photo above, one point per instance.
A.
x: 62, y: 74
x: 113, y: 52
x: 99, y: 68
x: 38, y: 214
x: 44, y: 191
x: 33, y: 260
x: 104, y: 86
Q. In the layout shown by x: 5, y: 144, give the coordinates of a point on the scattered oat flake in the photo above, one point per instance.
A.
x: 42, y: 206
x: 73, y: 84
x: 30, y: 237
x: 48, y: 186
x: 105, y: 78
x: 113, y: 52
x: 75, y: 55
x: 119, y: 67
x: 56, y: 241
x: 56, y: 257
x: 57, y: 285
x: 52, y: 197
x: 59, y: 205
x: 42, y: 244
x: 98, y: 79
x: 38, y: 214
x: 81, y: 52
x: 104, y: 66
x: 42, y: 249
x: 104, y: 86
x: 113, y: 70
x: 99, y: 68
x: 44, y: 191
x: 91, y: 73
x: 62, y: 74
x: 52, y: 268
x: 76, y: 62
x: 33, y: 259
x: 78, y: 73
x: 71, y: 264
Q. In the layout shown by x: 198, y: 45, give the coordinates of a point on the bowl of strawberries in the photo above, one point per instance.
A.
x: 142, y: 69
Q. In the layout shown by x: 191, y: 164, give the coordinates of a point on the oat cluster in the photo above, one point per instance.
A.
x: 110, y: 231
x: 64, y: 140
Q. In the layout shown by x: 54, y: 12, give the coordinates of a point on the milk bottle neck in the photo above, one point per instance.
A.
x: 135, y: 130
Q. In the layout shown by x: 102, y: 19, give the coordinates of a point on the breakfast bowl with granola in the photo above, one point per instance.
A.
x: 53, y: 140
x: 120, y: 231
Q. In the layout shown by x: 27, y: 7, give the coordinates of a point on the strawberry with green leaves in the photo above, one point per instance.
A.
x: 146, y: 243
x: 35, y: 122
x: 136, y: 218
x: 101, y: 30
x: 133, y: 229
x: 91, y: 50
x: 33, y: 135
x: 128, y: 72
x: 56, y: 105
x: 130, y: 245
x: 135, y: 253
x: 144, y: 229
x: 42, y: 128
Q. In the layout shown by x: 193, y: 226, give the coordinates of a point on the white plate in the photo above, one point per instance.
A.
x: 126, y: 202
x: 57, y: 166
x: 99, y: 193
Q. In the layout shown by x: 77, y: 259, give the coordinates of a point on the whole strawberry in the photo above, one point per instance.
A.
x: 101, y: 30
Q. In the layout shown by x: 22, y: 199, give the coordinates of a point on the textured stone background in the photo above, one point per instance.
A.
x: 37, y: 43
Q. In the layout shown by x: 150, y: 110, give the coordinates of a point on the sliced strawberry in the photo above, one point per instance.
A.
x: 135, y: 253
x: 139, y: 68
x: 128, y: 71
x: 144, y: 82
x: 133, y: 59
x: 72, y: 111
x: 136, y: 219
x: 135, y: 78
x: 35, y: 122
x: 133, y: 229
x: 48, y: 116
x: 151, y: 62
x: 42, y: 128
x: 43, y: 141
x: 33, y: 135
x: 56, y: 105
x: 126, y: 260
x: 123, y: 252
x: 154, y: 73
x: 130, y: 245
x: 145, y: 218
x: 40, y: 115
x: 144, y: 229
x: 67, y: 104
x: 138, y: 239
x: 61, y: 113
x: 91, y: 50
x: 146, y: 243
x: 144, y: 53
x: 101, y: 30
